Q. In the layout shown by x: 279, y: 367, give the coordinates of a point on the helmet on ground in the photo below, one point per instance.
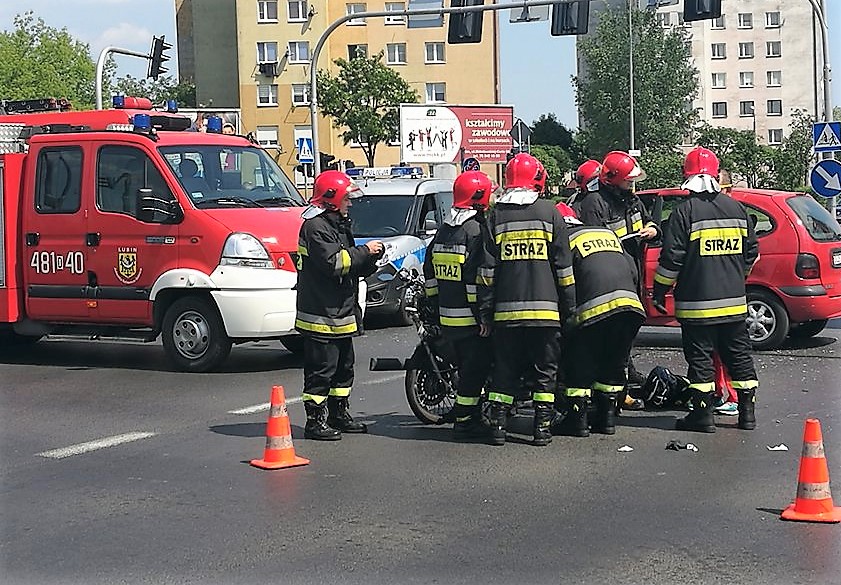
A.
x: 568, y: 213
x: 524, y: 171
x: 620, y: 166
x: 588, y: 171
x: 700, y: 161
x: 472, y: 190
x: 662, y: 388
x: 331, y: 187
x: 540, y: 178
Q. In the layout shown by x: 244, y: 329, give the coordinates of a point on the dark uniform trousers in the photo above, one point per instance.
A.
x: 328, y: 367
x: 525, y: 353
x: 596, y: 354
x: 730, y: 340
x: 472, y: 355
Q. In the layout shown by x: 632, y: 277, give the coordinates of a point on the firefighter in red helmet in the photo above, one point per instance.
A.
x: 328, y: 316
x: 615, y: 206
x: 708, y: 251
x: 526, y: 291
x: 586, y: 180
x: 450, y: 267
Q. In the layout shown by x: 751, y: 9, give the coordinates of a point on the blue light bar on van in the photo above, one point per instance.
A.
x: 142, y: 122
x: 384, y: 172
x: 171, y: 106
x: 214, y: 124
x: 406, y: 172
x: 118, y: 101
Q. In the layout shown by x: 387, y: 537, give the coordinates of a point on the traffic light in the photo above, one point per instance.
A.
x: 157, y: 57
x: 327, y: 163
x: 465, y: 28
x: 701, y: 10
x: 570, y: 18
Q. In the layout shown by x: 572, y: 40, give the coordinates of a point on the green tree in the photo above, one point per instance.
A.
x: 794, y: 157
x: 165, y: 88
x: 662, y: 169
x: 740, y: 153
x: 664, y: 83
x: 39, y: 61
x: 547, y: 130
x: 836, y: 113
x: 556, y: 161
x: 363, y: 97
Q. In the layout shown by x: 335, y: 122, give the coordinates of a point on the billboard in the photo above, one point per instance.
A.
x: 449, y: 134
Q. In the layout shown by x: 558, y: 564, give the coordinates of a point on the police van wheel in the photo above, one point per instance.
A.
x: 194, y: 336
x: 767, y: 320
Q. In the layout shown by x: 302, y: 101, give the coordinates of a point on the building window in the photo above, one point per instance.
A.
x: 267, y: 135
x: 267, y: 11
x: 719, y: 50
x: 745, y: 50
x: 717, y: 24
x: 774, y: 49
x: 300, y: 94
x: 774, y: 78
x: 298, y: 11
x: 395, y: 7
x: 436, y: 92
x: 772, y: 20
x: 357, y: 52
x: 719, y: 109
x: 267, y: 95
x: 299, y: 51
x: 746, y: 79
x: 719, y: 80
x: 775, y: 136
x: 745, y: 20
x: 663, y: 18
x: 266, y: 52
x: 395, y: 54
x: 746, y: 108
x: 775, y: 107
x: 435, y: 53
x: 356, y: 8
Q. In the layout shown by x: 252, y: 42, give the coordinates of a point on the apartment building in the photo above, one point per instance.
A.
x: 757, y: 64
x: 256, y: 55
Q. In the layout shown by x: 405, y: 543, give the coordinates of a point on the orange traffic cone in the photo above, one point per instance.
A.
x: 814, y: 499
x: 279, y: 451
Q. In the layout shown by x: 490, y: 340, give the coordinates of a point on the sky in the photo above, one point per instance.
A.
x: 535, y: 67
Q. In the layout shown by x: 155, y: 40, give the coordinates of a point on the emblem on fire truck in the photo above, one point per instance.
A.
x: 126, y: 270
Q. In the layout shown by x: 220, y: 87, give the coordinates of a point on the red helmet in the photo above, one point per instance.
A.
x: 568, y: 213
x: 524, y: 172
x: 588, y: 171
x: 540, y: 178
x: 700, y: 161
x: 330, y: 188
x: 472, y: 190
x: 620, y: 166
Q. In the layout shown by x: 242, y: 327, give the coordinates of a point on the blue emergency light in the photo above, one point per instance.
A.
x: 406, y: 172
x: 171, y: 106
x: 214, y: 124
x: 142, y: 122
x: 118, y: 101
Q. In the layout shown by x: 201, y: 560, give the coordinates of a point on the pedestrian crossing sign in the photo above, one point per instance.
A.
x: 826, y: 136
x: 305, y: 150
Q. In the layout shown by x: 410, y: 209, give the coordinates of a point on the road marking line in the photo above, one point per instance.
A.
x: 389, y: 378
x: 94, y: 445
x: 262, y: 407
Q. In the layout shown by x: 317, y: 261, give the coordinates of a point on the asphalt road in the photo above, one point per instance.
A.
x: 178, y: 503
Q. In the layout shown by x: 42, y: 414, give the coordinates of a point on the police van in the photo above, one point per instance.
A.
x: 402, y: 208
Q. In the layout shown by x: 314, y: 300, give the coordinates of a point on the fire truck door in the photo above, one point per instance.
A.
x: 54, y: 255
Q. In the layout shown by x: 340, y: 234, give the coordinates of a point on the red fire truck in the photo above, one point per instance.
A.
x: 125, y: 224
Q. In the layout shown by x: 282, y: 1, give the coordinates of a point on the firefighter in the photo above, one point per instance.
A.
x: 586, y: 180
x: 329, y: 316
x: 526, y: 291
x: 452, y: 260
x: 709, y: 249
x: 608, y: 315
x: 615, y: 206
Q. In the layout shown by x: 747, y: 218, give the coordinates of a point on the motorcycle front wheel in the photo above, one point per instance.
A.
x: 428, y: 397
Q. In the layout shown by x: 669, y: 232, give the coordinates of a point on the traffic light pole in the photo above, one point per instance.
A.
x: 382, y: 14
x: 100, y: 68
x: 819, y: 8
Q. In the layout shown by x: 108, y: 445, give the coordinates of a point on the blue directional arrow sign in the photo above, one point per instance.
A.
x: 826, y: 136
x: 305, y: 154
x: 825, y: 178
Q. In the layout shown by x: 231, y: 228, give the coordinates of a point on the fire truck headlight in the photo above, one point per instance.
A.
x: 245, y: 250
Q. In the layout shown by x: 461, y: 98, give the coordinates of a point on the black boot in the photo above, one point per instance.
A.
x: 543, y: 414
x: 497, y: 418
x: 574, y: 424
x: 316, y: 427
x: 747, y: 404
x: 604, y: 421
x: 701, y: 418
x: 339, y: 418
x: 470, y: 426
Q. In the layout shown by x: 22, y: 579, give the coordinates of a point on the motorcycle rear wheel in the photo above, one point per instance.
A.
x: 428, y: 397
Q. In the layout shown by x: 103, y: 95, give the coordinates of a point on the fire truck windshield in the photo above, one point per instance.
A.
x: 231, y: 176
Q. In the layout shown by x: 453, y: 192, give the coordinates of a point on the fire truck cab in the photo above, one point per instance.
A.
x: 123, y: 224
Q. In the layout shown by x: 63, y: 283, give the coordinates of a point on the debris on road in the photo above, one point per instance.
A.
x: 625, y: 449
x: 675, y: 445
x: 780, y: 447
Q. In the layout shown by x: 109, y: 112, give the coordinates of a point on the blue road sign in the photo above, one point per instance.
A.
x: 470, y: 164
x: 826, y: 136
x: 305, y: 154
x: 825, y: 178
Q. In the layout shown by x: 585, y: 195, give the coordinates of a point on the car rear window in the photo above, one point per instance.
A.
x: 815, y: 218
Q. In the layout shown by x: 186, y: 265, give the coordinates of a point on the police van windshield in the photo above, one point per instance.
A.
x: 231, y: 176
x: 815, y: 218
x: 380, y: 215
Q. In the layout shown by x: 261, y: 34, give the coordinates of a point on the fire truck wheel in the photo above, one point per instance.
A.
x: 194, y: 336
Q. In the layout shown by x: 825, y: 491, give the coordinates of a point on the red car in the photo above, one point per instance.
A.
x: 795, y: 286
